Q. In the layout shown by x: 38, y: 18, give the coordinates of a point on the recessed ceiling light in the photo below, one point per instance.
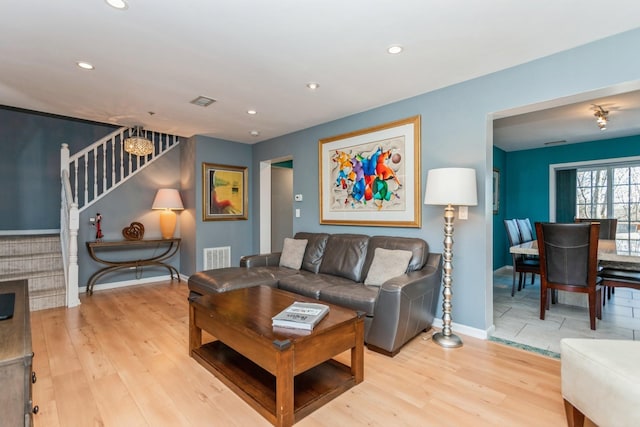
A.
x: 117, y: 4
x: 394, y: 49
x: 313, y: 85
x: 85, y: 65
x: 254, y: 133
x: 252, y: 112
x: 203, y: 101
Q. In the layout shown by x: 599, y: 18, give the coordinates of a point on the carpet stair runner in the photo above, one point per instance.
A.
x: 37, y: 258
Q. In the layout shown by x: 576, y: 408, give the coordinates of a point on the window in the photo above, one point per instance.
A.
x: 611, y: 191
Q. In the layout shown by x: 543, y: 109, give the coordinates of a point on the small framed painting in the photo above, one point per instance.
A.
x: 224, y: 192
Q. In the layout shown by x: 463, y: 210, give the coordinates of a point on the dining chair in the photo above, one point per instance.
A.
x: 608, y: 226
x: 526, y: 235
x: 620, y: 278
x: 569, y: 262
x: 526, y: 229
x: 521, y: 264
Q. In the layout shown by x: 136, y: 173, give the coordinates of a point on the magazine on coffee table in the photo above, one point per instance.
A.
x: 300, y: 315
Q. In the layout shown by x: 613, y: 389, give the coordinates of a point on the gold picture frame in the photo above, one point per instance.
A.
x: 224, y: 192
x: 371, y: 177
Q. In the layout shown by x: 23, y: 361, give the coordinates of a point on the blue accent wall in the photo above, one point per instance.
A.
x: 130, y: 202
x: 30, y: 164
x: 528, y: 172
x: 527, y: 179
x: 209, y: 234
x: 500, y: 241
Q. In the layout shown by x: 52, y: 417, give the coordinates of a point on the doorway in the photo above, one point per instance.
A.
x: 551, y: 123
x: 276, y: 203
x: 281, y: 203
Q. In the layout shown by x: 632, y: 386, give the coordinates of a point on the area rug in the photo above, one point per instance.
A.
x: 526, y: 347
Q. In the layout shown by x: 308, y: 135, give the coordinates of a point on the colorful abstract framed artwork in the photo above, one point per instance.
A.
x: 371, y: 177
x: 224, y: 192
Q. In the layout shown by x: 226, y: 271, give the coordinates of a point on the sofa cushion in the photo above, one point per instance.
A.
x: 310, y: 284
x: 344, y: 256
x: 226, y: 279
x: 418, y: 247
x: 292, y: 253
x: 316, y: 243
x: 386, y: 264
x: 355, y: 296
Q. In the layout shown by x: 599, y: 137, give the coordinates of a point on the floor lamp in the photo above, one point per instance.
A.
x: 449, y: 187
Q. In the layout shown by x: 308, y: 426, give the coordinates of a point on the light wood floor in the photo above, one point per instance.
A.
x: 120, y: 359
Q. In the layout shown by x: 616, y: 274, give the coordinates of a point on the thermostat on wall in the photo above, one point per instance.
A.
x: 298, y: 197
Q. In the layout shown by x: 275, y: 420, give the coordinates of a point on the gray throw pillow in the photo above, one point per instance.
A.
x: 293, y: 253
x: 387, y: 264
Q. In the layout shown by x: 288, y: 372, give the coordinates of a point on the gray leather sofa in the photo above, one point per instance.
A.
x: 334, y: 269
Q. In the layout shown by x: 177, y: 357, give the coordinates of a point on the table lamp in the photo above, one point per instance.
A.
x: 449, y: 187
x: 167, y: 199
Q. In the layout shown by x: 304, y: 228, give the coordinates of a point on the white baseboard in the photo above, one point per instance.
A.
x: 503, y: 269
x: 466, y: 330
x: 125, y: 283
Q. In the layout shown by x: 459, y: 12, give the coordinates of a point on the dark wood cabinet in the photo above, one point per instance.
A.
x: 16, y: 357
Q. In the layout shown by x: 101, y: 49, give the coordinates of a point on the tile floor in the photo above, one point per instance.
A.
x: 517, y: 318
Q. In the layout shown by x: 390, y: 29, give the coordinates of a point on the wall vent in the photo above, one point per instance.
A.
x: 217, y: 257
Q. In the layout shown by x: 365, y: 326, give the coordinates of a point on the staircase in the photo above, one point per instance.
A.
x: 89, y: 175
x: 38, y: 259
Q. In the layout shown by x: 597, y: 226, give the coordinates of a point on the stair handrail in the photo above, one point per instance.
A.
x: 108, y: 154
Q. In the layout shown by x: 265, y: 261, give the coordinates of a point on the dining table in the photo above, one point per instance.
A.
x: 623, y: 252
x: 619, y: 250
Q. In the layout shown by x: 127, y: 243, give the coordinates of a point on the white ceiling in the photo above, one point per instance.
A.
x: 158, y: 55
x: 570, y: 121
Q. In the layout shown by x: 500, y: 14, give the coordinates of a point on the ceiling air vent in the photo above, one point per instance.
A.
x: 562, y: 141
x: 203, y: 101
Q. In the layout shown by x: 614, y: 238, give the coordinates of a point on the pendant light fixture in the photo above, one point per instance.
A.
x: 137, y: 144
x: 602, y: 116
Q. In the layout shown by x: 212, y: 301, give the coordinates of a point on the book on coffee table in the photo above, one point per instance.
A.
x: 300, y: 315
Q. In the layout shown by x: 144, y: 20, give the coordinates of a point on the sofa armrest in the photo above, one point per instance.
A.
x: 406, y: 305
x: 262, y: 260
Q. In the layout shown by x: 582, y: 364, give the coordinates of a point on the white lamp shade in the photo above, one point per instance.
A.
x: 451, y: 186
x: 167, y: 198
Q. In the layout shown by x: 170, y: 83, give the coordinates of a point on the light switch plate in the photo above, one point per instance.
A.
x: 463, y: 212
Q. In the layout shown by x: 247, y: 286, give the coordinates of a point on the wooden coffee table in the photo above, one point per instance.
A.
x: 284, y: 375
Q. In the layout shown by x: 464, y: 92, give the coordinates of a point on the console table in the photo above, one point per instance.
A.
x: 169, y: 248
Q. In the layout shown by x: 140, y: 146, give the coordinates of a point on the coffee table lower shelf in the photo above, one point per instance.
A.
x: 257, y: 387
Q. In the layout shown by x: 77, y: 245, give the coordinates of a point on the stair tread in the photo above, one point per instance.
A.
x: 31, y: 274
x: 33, y: 255
x: 46, y: 292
